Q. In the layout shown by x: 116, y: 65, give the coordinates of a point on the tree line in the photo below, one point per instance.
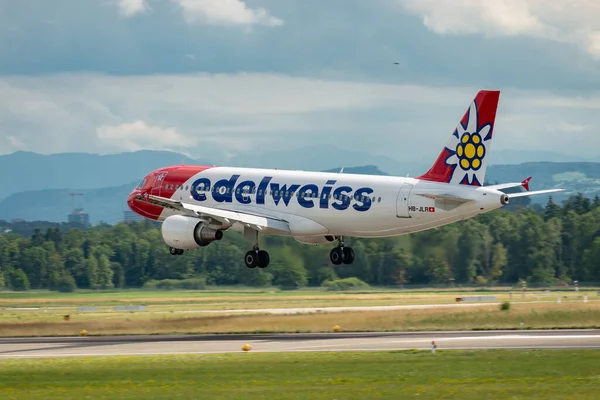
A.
x: 552, y: 245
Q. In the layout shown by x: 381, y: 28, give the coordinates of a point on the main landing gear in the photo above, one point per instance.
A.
x: 175, y: 252
x: 257, y: 258
x: 341, y: 254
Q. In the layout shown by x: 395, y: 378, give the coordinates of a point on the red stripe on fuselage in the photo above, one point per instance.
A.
x: 161, y: 182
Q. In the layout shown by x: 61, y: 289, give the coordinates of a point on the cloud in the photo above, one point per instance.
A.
x: 10, y: 144
x: 576, y: 22
x: 129, y: 8
x: 77, y: 39
x: 139, y: 136
x: 226, y: 12
x: 206, y: 114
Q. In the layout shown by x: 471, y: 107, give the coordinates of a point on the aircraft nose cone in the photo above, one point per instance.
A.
x: 130, y: 201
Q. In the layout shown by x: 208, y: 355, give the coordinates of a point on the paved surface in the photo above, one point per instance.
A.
x: 298, y: 310
x: 200, y: 344
x: 306, y: 310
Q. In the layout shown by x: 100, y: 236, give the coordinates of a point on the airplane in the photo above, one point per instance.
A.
x: 196, y: 204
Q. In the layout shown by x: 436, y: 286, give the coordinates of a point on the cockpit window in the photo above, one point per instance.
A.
x: 141, y: 184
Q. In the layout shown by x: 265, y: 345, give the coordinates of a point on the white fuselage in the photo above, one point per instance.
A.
x: 314, y: 205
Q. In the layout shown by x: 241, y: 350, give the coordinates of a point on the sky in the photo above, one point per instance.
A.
x: 220, y: 78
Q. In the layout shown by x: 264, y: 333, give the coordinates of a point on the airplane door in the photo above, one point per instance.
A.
x: 158, y: 183
x: 402, y: 201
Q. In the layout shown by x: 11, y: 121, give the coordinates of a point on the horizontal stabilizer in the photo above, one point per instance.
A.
x: 524, y: 194
x: 445, y: 197
x: 446, y: 202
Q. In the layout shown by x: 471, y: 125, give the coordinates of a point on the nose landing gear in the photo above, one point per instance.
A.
x: 175, y: 252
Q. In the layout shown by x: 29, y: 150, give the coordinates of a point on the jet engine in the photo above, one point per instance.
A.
x: 182, y: 232
x: 315, y: 239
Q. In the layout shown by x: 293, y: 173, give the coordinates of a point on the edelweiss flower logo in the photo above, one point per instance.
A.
x: 467, y: 147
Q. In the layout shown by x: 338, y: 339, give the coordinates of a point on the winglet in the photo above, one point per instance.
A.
x: 525, y: 183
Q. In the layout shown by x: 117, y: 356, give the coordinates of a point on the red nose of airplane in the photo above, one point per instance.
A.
x: 130, y: 201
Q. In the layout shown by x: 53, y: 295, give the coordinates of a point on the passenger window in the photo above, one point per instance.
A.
x: 379, y: 200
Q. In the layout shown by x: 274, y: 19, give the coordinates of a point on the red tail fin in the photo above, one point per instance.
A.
x: 464, y: 159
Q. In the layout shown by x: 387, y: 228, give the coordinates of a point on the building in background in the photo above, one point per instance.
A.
x: 78, y: 216
x: 130, y: 216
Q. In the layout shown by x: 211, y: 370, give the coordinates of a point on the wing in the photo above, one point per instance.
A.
x: 228, y: 217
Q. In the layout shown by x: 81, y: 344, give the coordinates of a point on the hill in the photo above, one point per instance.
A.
x: 24, y: 171
x: 36, y: 186
x: 104, y: 205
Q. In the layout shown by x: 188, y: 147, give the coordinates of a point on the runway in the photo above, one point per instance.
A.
x: 372, y: 341
x: 287, y: 310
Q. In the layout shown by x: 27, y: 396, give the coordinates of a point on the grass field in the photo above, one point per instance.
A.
x: 262, y: 298
x: 493, y: 374
x: 41, y: 313
x: 532, y: 315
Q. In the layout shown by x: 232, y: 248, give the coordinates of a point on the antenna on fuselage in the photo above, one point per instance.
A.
x: 342, y: 170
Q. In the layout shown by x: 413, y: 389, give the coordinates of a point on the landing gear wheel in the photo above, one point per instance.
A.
x: 263, y: 259
x: 336, y: 256
x: 175, y: 252
x: 251, y: 259
x: 348, y: 255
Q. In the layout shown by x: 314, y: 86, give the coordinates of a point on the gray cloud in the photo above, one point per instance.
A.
x: 347, y: 39
x: 241, y: 112
x: 574, y: 22
x: 239, y: 75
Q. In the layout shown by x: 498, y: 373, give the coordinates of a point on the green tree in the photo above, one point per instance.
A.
x: 438, y: 270
x: 104, y: 273
x: 499, y: 259
x: 19, y: 280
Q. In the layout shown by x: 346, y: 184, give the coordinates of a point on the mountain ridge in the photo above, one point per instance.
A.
x: 106, y: 180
